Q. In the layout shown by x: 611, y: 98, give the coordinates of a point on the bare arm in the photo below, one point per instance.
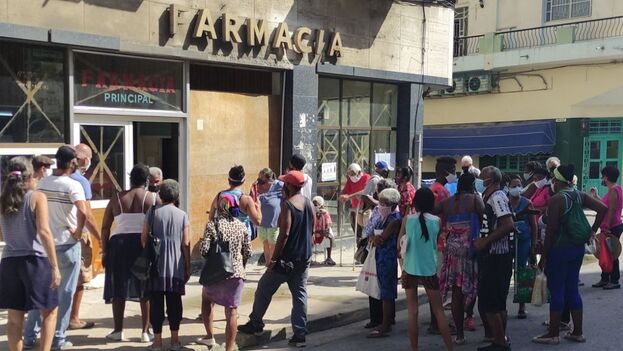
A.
x: 213, y: 208
x: 144, y: 235
x: 403, y: 232
x: 45, y: 234
x: 554, y: 212
x: 529, y: 190
x: 91, y: 224
x: 252, y: 209
x: 597, y: 206
x: 81, y: 206
x: 534, y: 229
x: 613, y: 200
x: 106, y: 224
x: 186, y: 252
x: 285, y: 222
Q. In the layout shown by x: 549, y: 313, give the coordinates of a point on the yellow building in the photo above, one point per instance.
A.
x: 532, y: 78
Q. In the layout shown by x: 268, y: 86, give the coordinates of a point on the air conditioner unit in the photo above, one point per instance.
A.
x: 479, y: 84
x: 458, y: 87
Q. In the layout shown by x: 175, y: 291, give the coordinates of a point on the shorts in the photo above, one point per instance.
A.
x: 268, y: 234
x: 494, y: 277
x: 412, y: 281
x: 25, y: 284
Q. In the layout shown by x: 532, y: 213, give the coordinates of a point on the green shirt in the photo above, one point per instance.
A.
x: 421, y: 255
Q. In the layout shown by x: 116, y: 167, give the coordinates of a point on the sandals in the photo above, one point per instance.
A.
x: 545, y: 340
x: 460, y: 341
x: 375, y: 334
x: 575, y: 338
x: 81, y: 325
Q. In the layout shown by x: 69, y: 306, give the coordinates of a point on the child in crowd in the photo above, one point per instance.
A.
x: 322, y: 227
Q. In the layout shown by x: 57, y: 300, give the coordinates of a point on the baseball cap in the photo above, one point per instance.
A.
x: 65, y: 154
x: 296, y: 178
x: 384, y: 166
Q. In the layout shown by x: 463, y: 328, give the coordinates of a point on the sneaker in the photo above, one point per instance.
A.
x: 545, y: 340
x: 147, y: 337
x: 600, y: 284
x: 65, y: 345
x: 250, y: 329
x: 205, y: 341
x: 297, y: 341
x: 470, y: 324
x: 329, y: 262
x: 565, y: 326
x: 176, y: 347
x: 576, y: 338
x: 116, y: 336
x: 612, y: 286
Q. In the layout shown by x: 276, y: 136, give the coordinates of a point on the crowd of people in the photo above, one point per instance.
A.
x: 460, y: 239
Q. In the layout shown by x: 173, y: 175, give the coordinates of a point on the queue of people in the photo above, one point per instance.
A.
x: 461, y: 243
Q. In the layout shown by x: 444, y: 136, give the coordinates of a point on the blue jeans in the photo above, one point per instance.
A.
x: 267, y: 287
x: 563, y: 276
x: 68, y: 257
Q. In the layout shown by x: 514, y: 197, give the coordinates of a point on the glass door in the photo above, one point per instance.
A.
x: 601, y: 151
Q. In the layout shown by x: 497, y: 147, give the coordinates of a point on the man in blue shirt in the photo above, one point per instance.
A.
x: 84, y: 156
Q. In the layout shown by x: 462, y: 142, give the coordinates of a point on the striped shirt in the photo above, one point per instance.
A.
x: 496, y: 207
x: 62, y: 193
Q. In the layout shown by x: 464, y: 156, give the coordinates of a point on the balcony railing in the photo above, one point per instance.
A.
x: 546, y: 35
x: 464, y: 46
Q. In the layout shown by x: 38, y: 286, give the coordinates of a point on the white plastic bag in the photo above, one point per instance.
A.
x: 539, y: 292
x: 368, y: 282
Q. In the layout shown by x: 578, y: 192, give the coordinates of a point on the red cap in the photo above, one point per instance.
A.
x: 296, y: 178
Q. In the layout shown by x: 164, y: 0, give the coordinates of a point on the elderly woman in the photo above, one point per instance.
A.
x: 376, y: 306
x: 385, y: 240
x: 563, y: 252
x: 168, y: 224
x: 227, y: 293
x: 269, y: 195
x: 354, y: 188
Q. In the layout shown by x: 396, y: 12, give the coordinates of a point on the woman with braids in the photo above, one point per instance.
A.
x: 29, y: 273
x: 418, y: 254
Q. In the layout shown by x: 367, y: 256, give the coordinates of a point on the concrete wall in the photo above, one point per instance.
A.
x: 378, y: 34
x: 583, y: 91
x: 500, y: 15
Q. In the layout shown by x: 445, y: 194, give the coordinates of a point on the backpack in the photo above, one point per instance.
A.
x: 575, y: 228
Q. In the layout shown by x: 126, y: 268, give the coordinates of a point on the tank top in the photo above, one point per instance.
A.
x: 298, y: 247
x: 617, y: 212
x: 20, y: 232
x: 242, y: 217
x: 130, y: 223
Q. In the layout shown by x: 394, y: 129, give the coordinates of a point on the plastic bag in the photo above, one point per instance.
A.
x: 605, y: 257
x: 524, y: 284
x: 539, y: 291
x: 368, y: 282
x: 591, y: 247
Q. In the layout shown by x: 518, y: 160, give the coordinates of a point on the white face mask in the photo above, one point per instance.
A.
x: 541, y: 183
x: 515, y: 192
x: 527, y: 176
x: 355, y: 179
x: 84, y: 169
x: 451, y: 178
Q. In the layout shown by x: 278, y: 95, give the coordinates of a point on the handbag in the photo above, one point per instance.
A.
x: 217, y: 265
x: 146, y: 263
x: 368, y: 281
x: 362, y: 251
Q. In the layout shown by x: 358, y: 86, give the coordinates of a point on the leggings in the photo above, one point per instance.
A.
x: 156, y: 310
x: 563, y: 276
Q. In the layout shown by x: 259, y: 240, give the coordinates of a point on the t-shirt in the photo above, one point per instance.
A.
x: 351, y: 188
x: 62, y: 193
x: 407, y: 193
x: 440, y: 192
x: 496, y: 207
x: 420, y: 255
x: 306, y: 190
x: 270, y: 203
x: 84, y: 182
x: 370, y: 188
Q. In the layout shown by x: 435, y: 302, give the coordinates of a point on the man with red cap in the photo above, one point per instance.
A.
x: 290, y: 261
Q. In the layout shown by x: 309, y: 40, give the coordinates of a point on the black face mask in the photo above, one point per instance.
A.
x: 153, y: 188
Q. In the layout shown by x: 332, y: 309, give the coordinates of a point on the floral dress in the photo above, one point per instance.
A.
x: 459, y: 268
x: 387, y: 260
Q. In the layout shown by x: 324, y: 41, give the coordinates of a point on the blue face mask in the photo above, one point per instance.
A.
x: 480, y: 186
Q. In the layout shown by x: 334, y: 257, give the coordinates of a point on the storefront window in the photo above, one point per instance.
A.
x: 32, y: 94
x: 356, y: 103
x: 124, y: 82
x: 107, y: 172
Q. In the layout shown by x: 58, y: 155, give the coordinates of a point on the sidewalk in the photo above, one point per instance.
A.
x: 332, y: 302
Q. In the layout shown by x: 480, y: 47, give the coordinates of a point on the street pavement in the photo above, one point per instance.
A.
x: 336, y: 316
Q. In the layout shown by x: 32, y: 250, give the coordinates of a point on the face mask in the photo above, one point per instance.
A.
x: 515, y: 192
x: 541, y: 183
x: 355, y: 179
x: 485, y: 184
x: 384, y: 211
x: 451, y: 178
x: 527, y: 176
x: 465, y: 169
x: 480, y: 186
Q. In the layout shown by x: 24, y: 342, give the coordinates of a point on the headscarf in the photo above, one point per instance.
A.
x: 227, y: 206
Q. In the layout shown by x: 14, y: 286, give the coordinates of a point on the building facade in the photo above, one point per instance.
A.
x: 532, y: 79
x: 196, y: 86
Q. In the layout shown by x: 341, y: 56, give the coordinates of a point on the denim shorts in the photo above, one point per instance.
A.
x: 25, y: 284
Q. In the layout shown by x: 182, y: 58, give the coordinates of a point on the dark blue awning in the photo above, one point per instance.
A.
x: 511, y: 138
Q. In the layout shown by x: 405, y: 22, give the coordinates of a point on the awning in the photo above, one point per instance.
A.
x: 491, y: 139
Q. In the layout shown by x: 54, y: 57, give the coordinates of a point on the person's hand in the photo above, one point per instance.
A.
x: 542, y: 263
x: 480, y: 244
x: 377, y: 240
x: 344, y: 198
x: 56, y: 278
x: 403, y: 278
x: 75, y: 234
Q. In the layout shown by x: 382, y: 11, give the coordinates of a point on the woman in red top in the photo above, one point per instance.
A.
x: 355, y: 184
x: 406, y: 189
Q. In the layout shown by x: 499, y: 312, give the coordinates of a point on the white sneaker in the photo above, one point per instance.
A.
x: 207, y: 342
x: 147, y: 337
x: 116, y: 336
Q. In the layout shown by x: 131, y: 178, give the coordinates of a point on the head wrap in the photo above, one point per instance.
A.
x: 227, y: 206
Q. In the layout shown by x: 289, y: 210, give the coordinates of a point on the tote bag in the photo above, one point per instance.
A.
x: 368, y: 282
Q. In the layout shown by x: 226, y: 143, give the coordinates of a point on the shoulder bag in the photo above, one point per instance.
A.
x: 217, y: 265
x: 147, y: 262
